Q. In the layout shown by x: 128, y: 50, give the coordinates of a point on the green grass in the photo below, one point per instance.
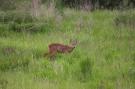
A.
x: 103, y: 59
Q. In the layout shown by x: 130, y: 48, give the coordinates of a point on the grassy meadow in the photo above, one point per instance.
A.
x: 103, y: 59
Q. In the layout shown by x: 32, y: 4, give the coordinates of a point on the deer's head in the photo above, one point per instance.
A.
x: 73, y: 43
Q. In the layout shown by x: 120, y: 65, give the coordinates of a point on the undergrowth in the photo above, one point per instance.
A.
x: 103, y: 59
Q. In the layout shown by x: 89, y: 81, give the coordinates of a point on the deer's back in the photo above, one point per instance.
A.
x: 60, y: 48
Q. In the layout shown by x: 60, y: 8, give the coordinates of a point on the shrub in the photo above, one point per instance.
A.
x: 24, y: 22
x: 3, y: 83
x: 24, y: 27
x: 14, y: 16
x: 7, y: 4
x: 131, y: 73
x: 43, y: 69
x: 13, y: 58
x: 31, y: 27
x: 107, y: 4
x: 125, y: 19
x: 4, y: 30
x: 84, y: 70
x: 16, y: 63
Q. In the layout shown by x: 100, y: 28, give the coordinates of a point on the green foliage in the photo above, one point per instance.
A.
x: 3, y: 30
x: 3, y: 83
x: 131, y: 73
x: 24, y: 22
x: 13, y: 59
x: 100, y: 4
x: 60, y: 4
x: 7, y: 5
x: 14, y: 16
x: 103, y: 58
x: 85, y: 70
x: 125, y: 19
x: 44, y: 69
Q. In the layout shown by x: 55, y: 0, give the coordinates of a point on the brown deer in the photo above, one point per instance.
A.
x: 55, y: 48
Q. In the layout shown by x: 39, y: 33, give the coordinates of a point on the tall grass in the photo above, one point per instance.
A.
x: 103, y: 59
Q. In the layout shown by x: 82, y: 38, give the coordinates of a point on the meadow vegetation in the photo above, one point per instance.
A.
x: 103, y: 59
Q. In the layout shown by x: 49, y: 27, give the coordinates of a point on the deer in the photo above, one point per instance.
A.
x: 55, y: 48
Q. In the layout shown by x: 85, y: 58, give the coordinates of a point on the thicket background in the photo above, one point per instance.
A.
x: 106, y: 4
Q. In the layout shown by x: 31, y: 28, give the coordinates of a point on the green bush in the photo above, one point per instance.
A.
x: 43, y: 69
x: 24, y: 22
x: 13, y: 58
x: 7, y: 4
x: 14, y: 16
x: 31, y: 27
x: 13, y: 64
x: 84, y: 70
x: 4, y: 30
x: 100, y: 4
x: 24, y: 27
x: 125, y: 19
x: 131, y: 72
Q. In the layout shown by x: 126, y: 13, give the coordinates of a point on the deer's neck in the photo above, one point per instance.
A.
x: 72, y: 48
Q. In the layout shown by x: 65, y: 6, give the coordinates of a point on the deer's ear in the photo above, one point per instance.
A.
x: 73, y: 42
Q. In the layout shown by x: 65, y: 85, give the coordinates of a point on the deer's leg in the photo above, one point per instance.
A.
x: 52, y: 55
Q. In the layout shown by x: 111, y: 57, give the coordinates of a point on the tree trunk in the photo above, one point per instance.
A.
x: 35, y: 7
